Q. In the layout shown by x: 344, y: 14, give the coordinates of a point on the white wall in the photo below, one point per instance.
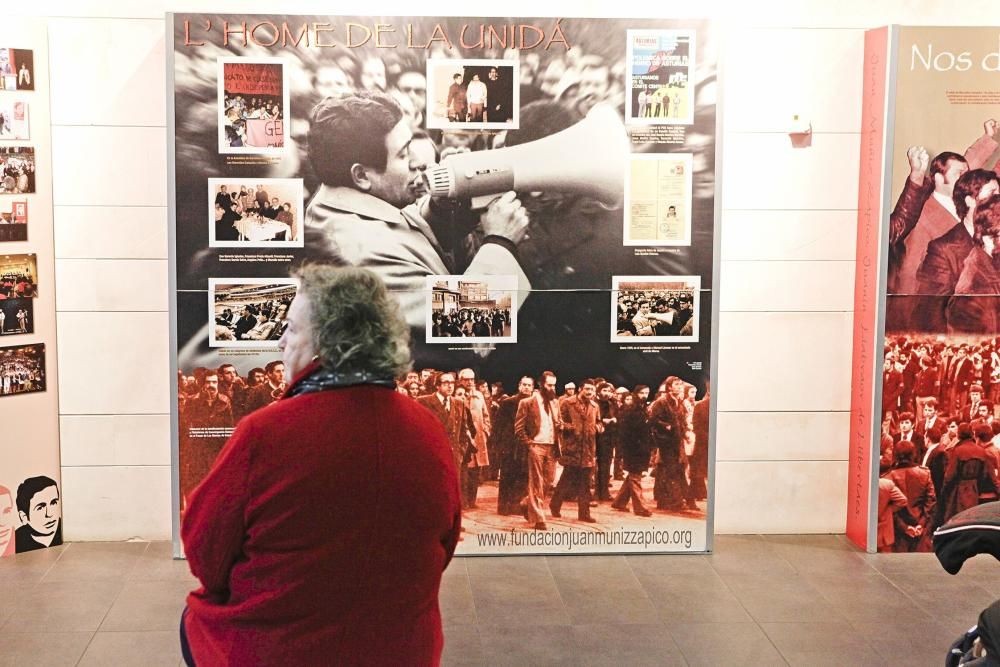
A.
x: 788, y: 234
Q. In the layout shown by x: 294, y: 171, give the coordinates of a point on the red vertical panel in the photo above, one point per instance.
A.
x: 866, y: 286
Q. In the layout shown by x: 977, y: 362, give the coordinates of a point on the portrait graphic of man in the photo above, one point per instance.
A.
x: 8, y: 521
x: 40, y: 512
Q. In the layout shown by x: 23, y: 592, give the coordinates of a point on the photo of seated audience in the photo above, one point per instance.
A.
x: 14, y: 225
x: 249, y: 313
x: 17, y: 170
x: 22, y: 369
x: 263, y: 213
x: 479, y: 308
x: 664, y: 310
x: 17, y: 316
x: 18, y: 276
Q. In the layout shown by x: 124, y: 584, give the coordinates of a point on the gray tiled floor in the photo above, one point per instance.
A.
x: 758, y: 600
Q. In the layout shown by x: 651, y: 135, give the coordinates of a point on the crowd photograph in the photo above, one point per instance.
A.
x: 249, y: 313
x: 17, y: 316
x: 17, y: 170
x: 473, y: 94
x: 940, y: 433
x: 253, y: 105
x: 22, y: 369
x: 655, y: 310
x: 256, y: 213
x: 481, y: 308
x: 18, y: 276
x: 573, y: 453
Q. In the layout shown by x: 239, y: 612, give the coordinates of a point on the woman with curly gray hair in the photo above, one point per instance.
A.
x: 322, y: 531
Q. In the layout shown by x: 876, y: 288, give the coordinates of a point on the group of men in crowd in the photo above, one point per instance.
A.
x: 254, y: 203
x: 253, y: 321
x: 471, y: 323
x: 943, y: 236
x: 655, y: 313
x: 934, y: 466
x: 218, y: 398
x: 595, y: 432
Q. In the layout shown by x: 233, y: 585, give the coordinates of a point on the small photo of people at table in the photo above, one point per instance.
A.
x: 18, y: 276
x: 253, y: 106
x: 17, y: 316
x: 255, y: 213
x: 472, y: 309
x: 14, y: 121
x: 14, y: 224
x: 17, y: 170
x: 17, y: 69
x: 473, y: 94
x: 655, y: 309
x: 248, y: 313
x: 22, y: 369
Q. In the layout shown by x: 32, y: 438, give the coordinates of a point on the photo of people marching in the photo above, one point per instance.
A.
x: 476, y: 307
x: 524, y: 452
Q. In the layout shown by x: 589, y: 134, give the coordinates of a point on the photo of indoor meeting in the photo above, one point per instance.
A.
x: 257, y: 213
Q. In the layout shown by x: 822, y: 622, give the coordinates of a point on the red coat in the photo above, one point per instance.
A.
x: 308, y: 538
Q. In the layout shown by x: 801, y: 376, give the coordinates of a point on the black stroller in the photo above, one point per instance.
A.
x: 967, y: 534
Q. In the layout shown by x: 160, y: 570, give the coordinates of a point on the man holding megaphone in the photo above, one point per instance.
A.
x: 359, y: 147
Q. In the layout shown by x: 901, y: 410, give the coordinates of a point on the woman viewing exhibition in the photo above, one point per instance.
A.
x: 321, y: 532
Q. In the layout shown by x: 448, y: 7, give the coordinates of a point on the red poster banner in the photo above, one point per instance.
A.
x: 252, y: 79
x: 866, y: 287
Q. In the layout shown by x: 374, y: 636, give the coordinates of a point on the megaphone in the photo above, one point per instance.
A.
x: 587, y: 158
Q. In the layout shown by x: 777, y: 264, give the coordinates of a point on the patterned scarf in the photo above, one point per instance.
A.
x: 324, y: 380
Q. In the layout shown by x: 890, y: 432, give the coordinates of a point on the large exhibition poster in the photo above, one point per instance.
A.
x: 605, y: 128
x: 940, y: 358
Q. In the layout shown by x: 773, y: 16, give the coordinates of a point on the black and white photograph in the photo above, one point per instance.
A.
x: 14, y: 223
x: 473, y: 94
x: 17, y: 170
x: 473, y: 309
x: 255, y: 213
x: 22, y: 369
x: 17, y: 316
x: 248, y: 313
x: 253, y: 106
x: 655, y: 309
x: 14, y: 120
x: 18, y: 276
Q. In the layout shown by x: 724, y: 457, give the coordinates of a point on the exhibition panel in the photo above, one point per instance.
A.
x: 392, y: 143
x: 927, y: 315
